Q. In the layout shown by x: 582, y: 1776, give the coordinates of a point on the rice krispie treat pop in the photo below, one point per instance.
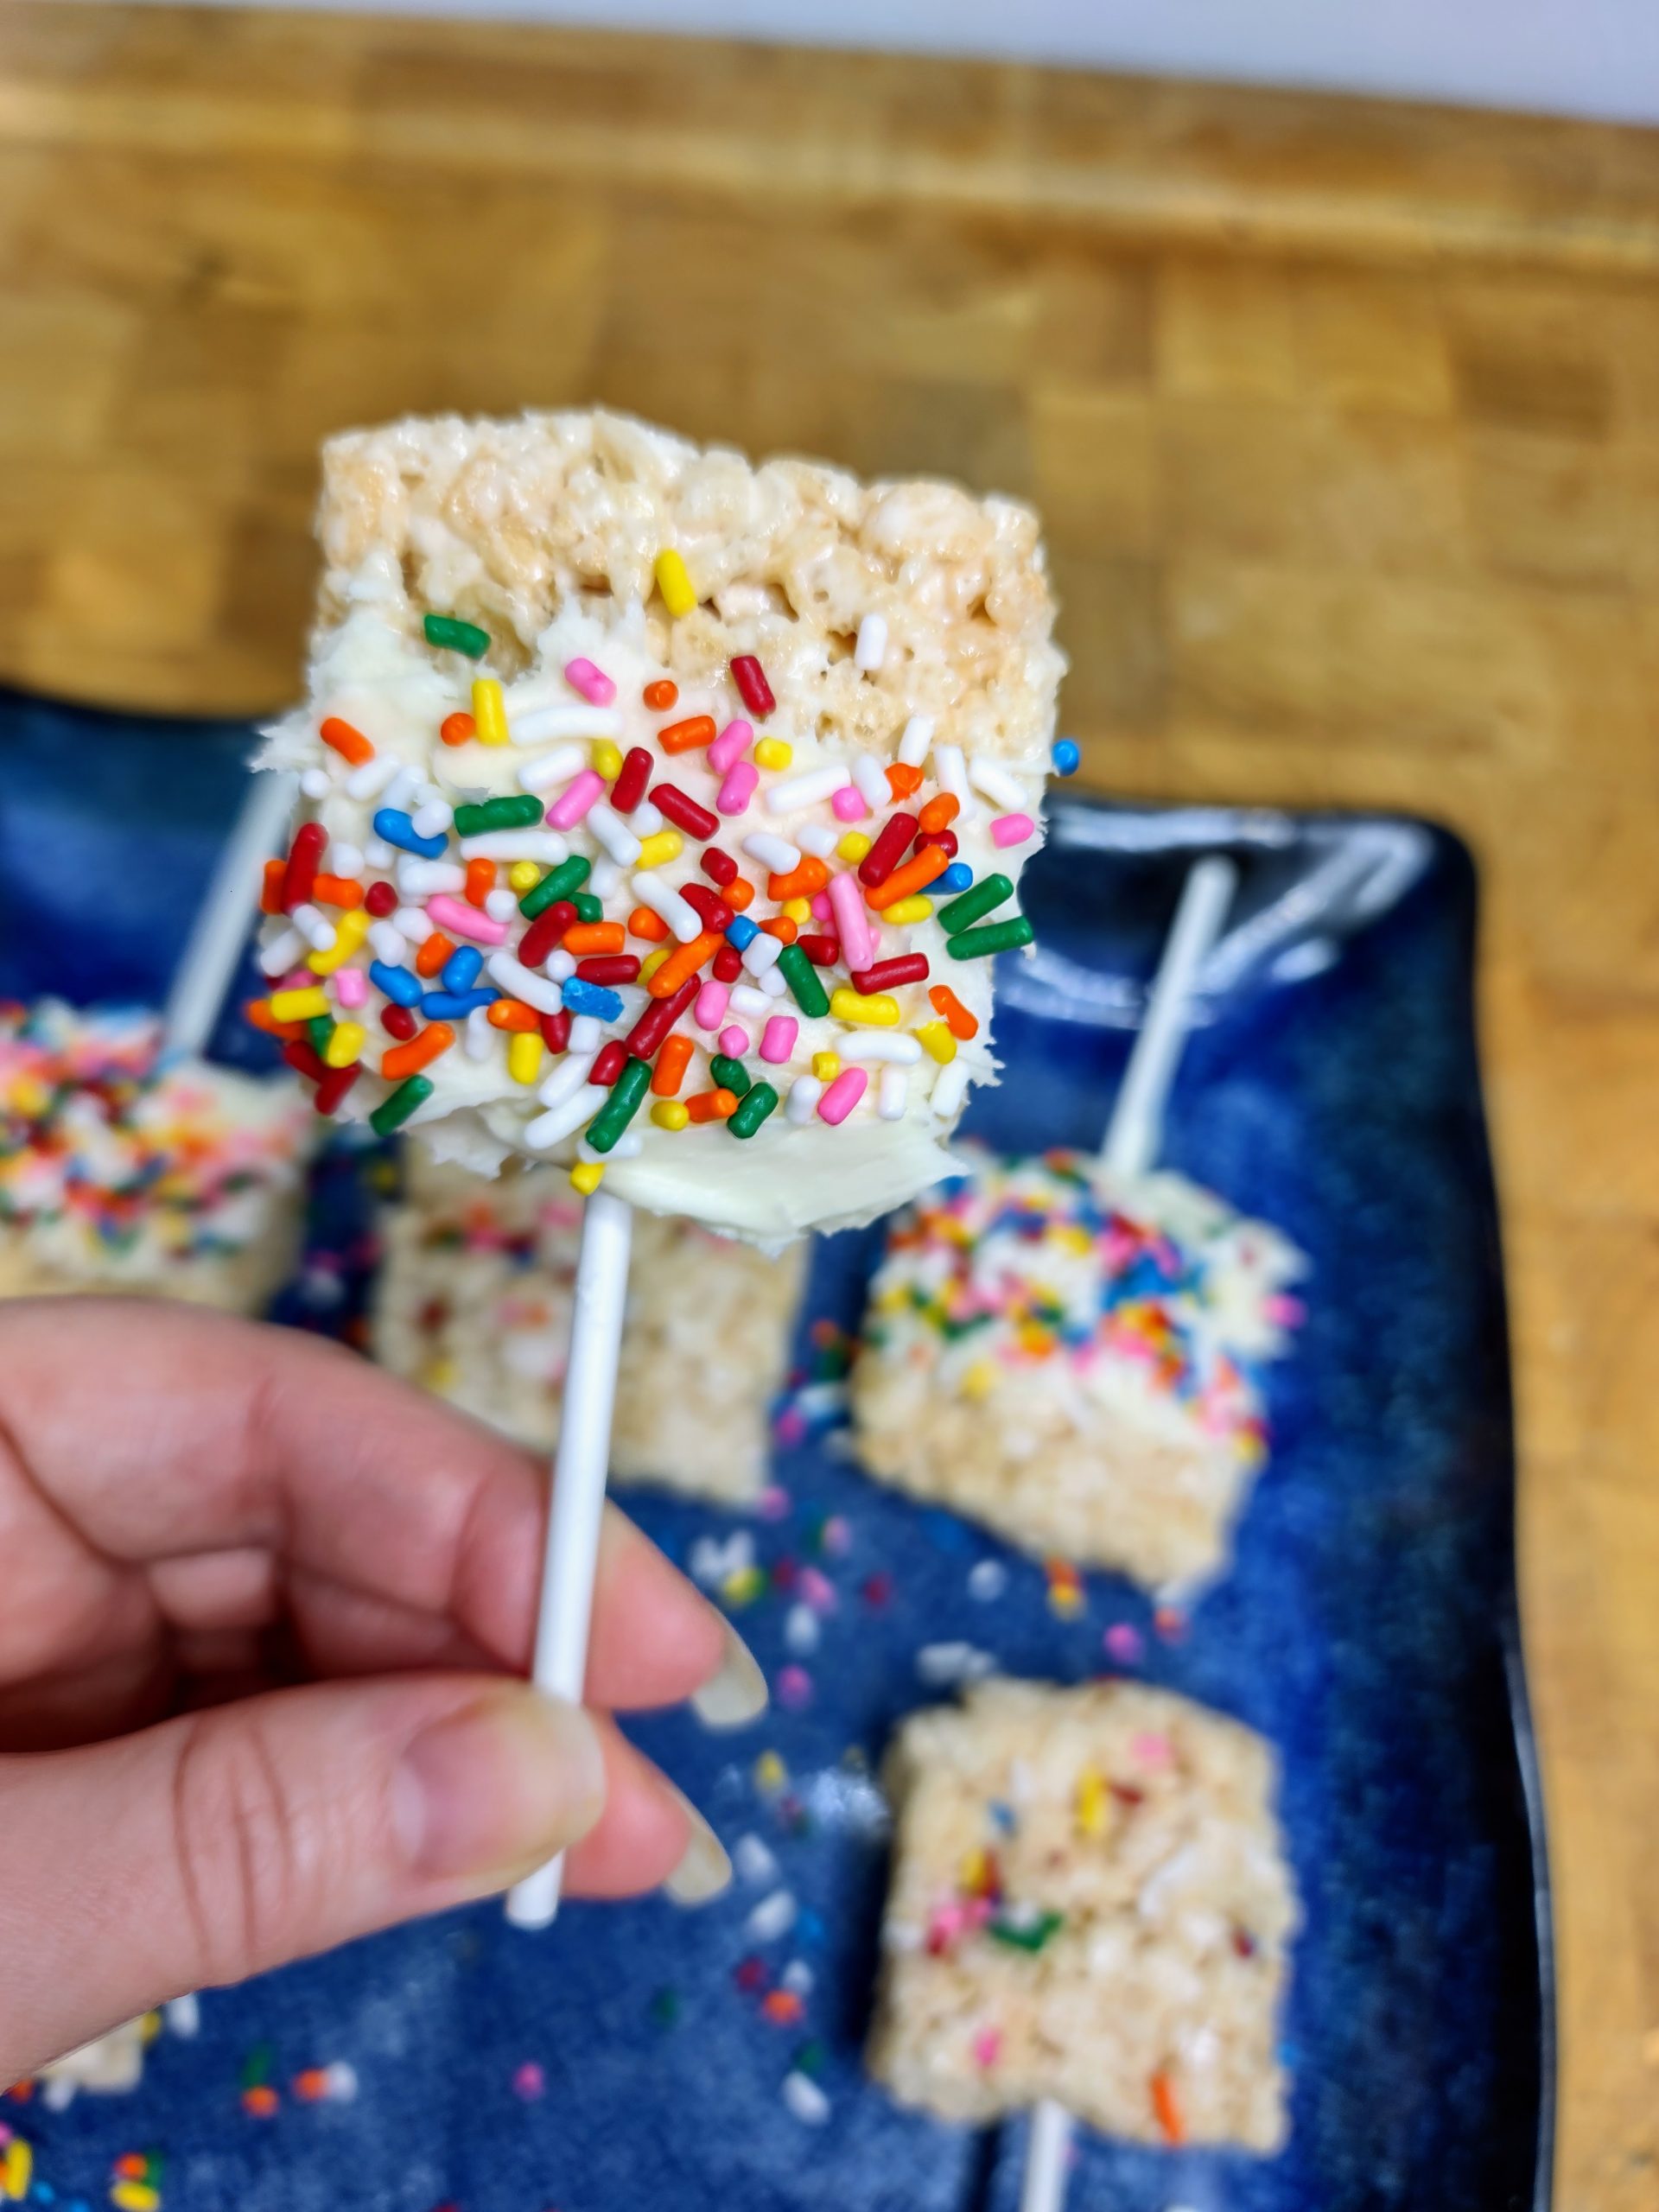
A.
x: 1089, y: 1907
x: 472, y: 1300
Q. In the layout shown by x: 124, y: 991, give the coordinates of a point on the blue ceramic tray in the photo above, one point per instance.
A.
x: 1370, y: 1630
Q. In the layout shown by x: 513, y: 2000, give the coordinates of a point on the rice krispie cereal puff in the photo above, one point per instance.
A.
x: 122, y: 1170
x: 1089, y: 1904
x: 472, y: 1300
x: 662, y: 812
x: 1077, y: 1360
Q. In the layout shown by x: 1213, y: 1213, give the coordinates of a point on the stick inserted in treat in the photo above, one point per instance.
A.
x: 220, y: 928
x: 578, y: 1502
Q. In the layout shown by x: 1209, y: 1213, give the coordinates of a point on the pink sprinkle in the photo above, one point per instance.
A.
x: 463, y: 920
x: 1012, y: 828
x: 730, y: 746
x: 530, y: 2081
x: 297, y: 979
x: 986, y: 2046
x: 1126, y: 1644
x: 790, y: 1426
x: 843, y: 1094
x: 774, y: 1502
x: 595, y: 687
x: 1152, y: 1751
x: 734, y: 1041
x: 852, y: 919
x: 836, y: 1537
x: 575, y: 798
x: 822, y: 910
x: 350, y: 987
x: 816, y: 1590
x: 710, y: 1010
x: 738, y: 789
x: 777, y: 1038
x: 794, y: 1688
x: 847, y: 803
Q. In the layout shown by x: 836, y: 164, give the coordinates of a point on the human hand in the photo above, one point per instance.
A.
x: 261, y: 1610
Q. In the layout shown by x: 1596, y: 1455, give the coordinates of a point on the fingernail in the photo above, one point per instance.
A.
x: 737, y: 1693
x: 503, y: 1784
x: 704, y: 1870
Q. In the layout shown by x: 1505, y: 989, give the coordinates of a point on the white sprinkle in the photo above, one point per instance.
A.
x: 804, y: 1095
x: 556, y: 767
x: 872, y: 647
x: 682, y: 919
x: 521, y: 982
x: 345, y: 860
x: 988, y: 1580
x: 568, y: 1074
x: 773, y: 1916
x: 561, y: 1122
x: 753, y: 1862
x: 314, y: 927
x: 541, y: 725
x: 999, y: 786
x: 713, y: 1561
x: 481, y: 1038
x: 938, y: 1664
x: 183, y: 2014
x: 775, y: 853
x: 414, y: 923
x: 388, y: 942
x: 402, y: 789
x: 435, y: 819
x: 57, y: 2093
x: 918, y: 736
x: 801, y: 1630
x: 561, y: 966
x: 745, y: 999
x: 762, y: 952
x: 805, y: 2099
x: 342, y: 2077
x: 613, y: 833
x: 773, y: 984
x: 646, y: 818
x: 893, y: 1045
x: 377, y: 852
x: 605, y: 878
x: 316, y: 783
x: 286, y: 950
x: 799, y: 1977
x: 809, y: 789
x: 419, y: 879
x: 818, y: 839
x: 625, y: 1147
x: 586, y: 1032
x: 950, y: 1088
x: 543, y: 845
x: 891, y: 1094
x: 951, y: 768
x: 500, y: 905
x: 876, y: 790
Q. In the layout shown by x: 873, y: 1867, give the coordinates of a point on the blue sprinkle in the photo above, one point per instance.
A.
x: 398, y: 983
x: 582, y: 997
x: 1067, y: 756
x: 396, y: 828
x: 453, y: 1005
x: 742, y: 932
x: 956, y: 877
x: 460, y: 970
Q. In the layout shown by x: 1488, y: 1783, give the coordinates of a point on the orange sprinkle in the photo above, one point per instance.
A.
x: 457, y: 730
x: 671, y: 1063
x: 682, y: 963
x: 271, y: 894
x: 958, y: 1019
x: 903, y: 779
x: 1169, y: 2111
x: 132, y: 2165
x: 800, y: 882
x: 738, y: 893
x: 593, y: 937
x: 261, y: 2100
x: 337, y: 890
x: 433, y: 954
x: 399, y: 1060
x: 643, y: 923
x: 257, y: 1011
x: 782, y: 2006
x: 661, y: 693
x: 312, y: 2085
x: 512, y: 1013
x: 481, y: 881
x: 349, y: 743
x: 681, y: 737
x: 712, y: 1105
x: 782, y: 928
x: 939, y: 813
x: 904, y: 882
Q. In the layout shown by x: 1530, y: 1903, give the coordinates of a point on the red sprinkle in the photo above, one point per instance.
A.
x: 888, y: 851
x: 719, y: 866
x: 544, y: 934
x: 304, y: 859
x: 381, y: 899
x: 685, y: 814
x: 944, y: 838
x: 728, y: 964
x: 887, y: 974
x: 305, y: 1062
x: 716, y: 914
x: 648, y: 1033
x: 556, y: 1030
x: 609, y: 1061
x: 752, y: 687
x: 610, y: 968
x: 630, y: 786
x: 336, y: 1083
x: 822, y: 952
x: 398, y: 1022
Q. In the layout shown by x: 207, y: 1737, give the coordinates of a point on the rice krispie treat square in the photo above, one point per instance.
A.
x: 1091, y: 1903
x: 473, y: 1301
x: 1077, y: 1360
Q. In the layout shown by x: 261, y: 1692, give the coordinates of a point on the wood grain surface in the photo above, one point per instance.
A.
x: 1344, y: 418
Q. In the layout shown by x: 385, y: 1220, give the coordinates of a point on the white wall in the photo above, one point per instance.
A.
x: 1582, y: 57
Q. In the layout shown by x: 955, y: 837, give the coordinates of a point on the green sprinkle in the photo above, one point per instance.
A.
x: 802, y: 977
x: 1027, y: 1934
x: 588, y: 909
x: 665, y: 2007
x: 461, y: 637
x: 392, y: 1113
x: 755, y: 1106
x: 978, y: 898
x: 256, y: 2067
x: 320, y: 1028
x: 731, y: 1075
x: 506, y: 813
x: 1002, y: 937
x: 560, y: 882
x: 810, y: 2058
x: 620, y: 1107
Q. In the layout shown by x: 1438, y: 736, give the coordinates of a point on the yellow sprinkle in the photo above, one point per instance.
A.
x: 525, y: 1056
x: 586, y: 1176
x: 974, y: 1874
x: 935, y: 1039
x: 770, y: 1773
x: 664, y: 845
x: 150, y: 2026
x: 879, y: 1011
x: 299, y: 1005
x: 489, y: 711
x: 670, y: 1114
x: 1094, y: 1806
x: 440, y: 1375
x: 826, y: 1066
x: 903, y: 911
x: 674, y: 584
x: 798, y: 910
x: 524, y: 876
x: 134, y: 2196
x: 979, y: 1381
x: 854, y: 846
x: 773, y: 752
x: 606, y: 757
x: 345, y: 1044
x: 17, y: 2171
x: 653, y: 961
x: 349, y: 932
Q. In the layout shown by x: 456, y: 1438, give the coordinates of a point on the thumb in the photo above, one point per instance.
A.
x: 220, y: 1845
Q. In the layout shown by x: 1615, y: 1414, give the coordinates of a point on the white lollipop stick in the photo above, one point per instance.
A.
x: 220, y: 928
x: 578, y: 1504
x: 1134, y: 1136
